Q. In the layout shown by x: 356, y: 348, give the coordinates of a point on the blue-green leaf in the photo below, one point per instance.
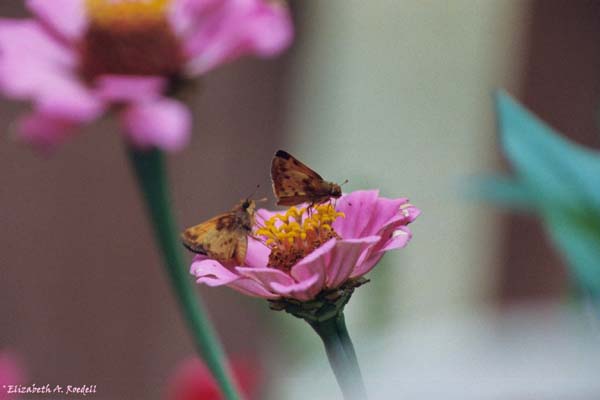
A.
x: 578, y: 237
x: 502, y: 191
x: 550, y: 165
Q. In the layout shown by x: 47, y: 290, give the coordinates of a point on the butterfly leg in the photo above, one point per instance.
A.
x: 310, y: 208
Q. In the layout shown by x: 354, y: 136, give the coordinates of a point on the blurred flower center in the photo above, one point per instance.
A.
x: 129, y: 37
x: 295, y: 234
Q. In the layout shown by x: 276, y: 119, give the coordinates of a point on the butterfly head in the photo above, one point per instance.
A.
x: 248, y: 206
x: 335, y: 191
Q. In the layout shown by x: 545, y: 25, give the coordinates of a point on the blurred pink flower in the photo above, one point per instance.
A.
x: 78, y: 59
x: 301, y: 254
x: 10, y: 374
x: 193, y: 381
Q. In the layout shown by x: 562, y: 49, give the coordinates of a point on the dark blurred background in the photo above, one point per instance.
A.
x: 83, y: 297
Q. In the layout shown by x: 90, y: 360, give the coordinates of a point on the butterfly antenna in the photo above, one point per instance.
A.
x: 261, y: 200
x: 253, y: 193
x: 343, y: 183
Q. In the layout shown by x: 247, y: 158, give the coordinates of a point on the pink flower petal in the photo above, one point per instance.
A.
x: 394, y: 237
x: 366, y: 213
x: 344, y: 259
x: 127, y: 88
x: 399, y: 239
x: 186, y: 15
x: 236, y: 28
x: 212, y: 273
x: 252, y: 288
x: 164, y: 123
x: 29, y: 57
x: 314, y: 263
x: 385, y: 211
x: 369, y: 214
x: 35, y: 66
x: 66, y: 97
x: 271, y: 29
x: 257, y: 254
x: 303, y: 291
x: 367, y: 264
x: 310, y: 273
x: 65, y: 17
x: 410, y: 213
x: 266, y: 277
x: 45, y: 131
x: 357, y: 207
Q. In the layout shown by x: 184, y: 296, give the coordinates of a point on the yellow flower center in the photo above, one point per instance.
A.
x: 295, y: 234
x: 110, y: 12
x: 130, y: 37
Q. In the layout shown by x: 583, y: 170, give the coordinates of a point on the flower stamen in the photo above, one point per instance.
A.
x: 129, y: 37
x: 111, y: 12
x: 296, y: 233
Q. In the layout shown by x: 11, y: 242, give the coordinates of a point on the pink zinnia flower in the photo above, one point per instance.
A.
x: 11, y: 373
x: 193, y: 381
x: 300, y: 254
x: 78, y: 59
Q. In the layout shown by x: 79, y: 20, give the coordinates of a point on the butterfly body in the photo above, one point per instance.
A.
x: 296, y: 183
x: 225, y: 237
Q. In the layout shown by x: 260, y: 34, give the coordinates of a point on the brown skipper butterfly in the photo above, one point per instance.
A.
x: 225, y: 237
x: 295, y: 183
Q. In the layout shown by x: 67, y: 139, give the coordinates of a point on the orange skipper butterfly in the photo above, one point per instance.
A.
x: 295, y: 183
x: 225, y: 237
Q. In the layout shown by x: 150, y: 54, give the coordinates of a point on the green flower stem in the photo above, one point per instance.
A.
x: 342, y: 356
x: 150, y: 171
x: 347, y: 343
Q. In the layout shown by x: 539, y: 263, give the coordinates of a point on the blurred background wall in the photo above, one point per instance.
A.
x: 392, y: 95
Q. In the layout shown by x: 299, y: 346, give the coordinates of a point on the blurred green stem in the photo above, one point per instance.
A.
x: 347, y: 342
x: 341, y: 355
x: 149, y: 167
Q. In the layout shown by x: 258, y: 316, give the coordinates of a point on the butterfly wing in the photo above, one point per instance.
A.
x: 294, y: 182
x: 218, y: 238
x: 240, y: 249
